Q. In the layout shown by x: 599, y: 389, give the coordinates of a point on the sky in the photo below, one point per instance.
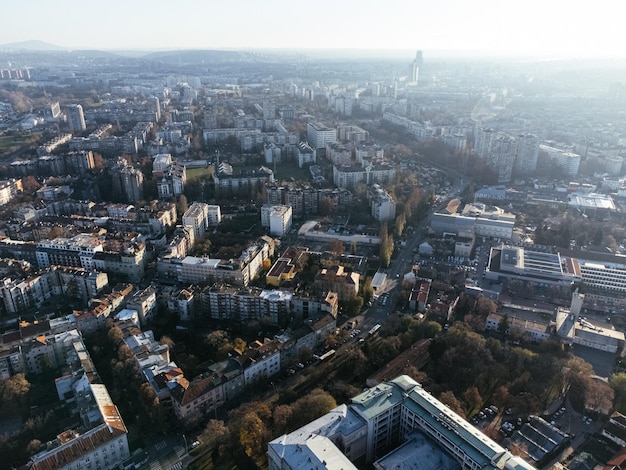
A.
x: 537, y: 28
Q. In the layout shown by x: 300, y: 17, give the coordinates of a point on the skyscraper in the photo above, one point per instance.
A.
x: 415, y: 67
x: 75, y: 117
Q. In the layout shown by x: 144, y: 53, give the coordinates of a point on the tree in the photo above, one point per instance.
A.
x: 448, y: 399
x: 337, y: 247
x: 618, y: 383
x: 386, y: 246
x: 215, y: 434
x: 182, y: 204
x: 503, y: 325
x: 14, y: 389
x: 115, y: 335
x: 472, y: 399
x: 253, y: 434
x: 169, y: 342
x: 400, y: 224
x: 281, y: 417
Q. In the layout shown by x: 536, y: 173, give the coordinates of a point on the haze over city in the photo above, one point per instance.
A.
x: 275, y: 236
x: 486, y: 27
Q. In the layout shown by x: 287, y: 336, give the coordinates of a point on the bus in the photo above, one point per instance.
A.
x: 374, y: 329
x: 325, y: 356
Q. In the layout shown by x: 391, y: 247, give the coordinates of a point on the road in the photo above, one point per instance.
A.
x: 168, y: 453
x: 402, y: 264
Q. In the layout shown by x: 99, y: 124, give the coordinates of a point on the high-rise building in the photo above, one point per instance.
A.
x: 527, y: 154
x: 75, y: 117
x: 415, y: 67
x: 501, y: 156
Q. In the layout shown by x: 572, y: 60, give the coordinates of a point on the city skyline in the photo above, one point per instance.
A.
x: 486, y: 27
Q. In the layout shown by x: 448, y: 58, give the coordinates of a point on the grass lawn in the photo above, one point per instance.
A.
x: 194, y: 173
x: 12, y: 142
x: 285, y: 171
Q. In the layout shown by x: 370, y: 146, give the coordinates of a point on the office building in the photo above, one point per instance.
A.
x: 393, y: 419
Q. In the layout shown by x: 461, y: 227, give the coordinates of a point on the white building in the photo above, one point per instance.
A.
x: 382, y: 204
x: 277, y: 218
x: 75, y: 117
x: 214, y: 214
x: 377, y: 419
x: 197, y: 217
x: 319, y: 135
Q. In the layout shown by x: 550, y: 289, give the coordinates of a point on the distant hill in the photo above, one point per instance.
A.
x: 32, y: 45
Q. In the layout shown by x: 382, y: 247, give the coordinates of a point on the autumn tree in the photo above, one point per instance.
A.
x: 215, y: 435
x: 386, y: 246
x: 336, y: 246
x: 448, y: 399
x: 14, y: 389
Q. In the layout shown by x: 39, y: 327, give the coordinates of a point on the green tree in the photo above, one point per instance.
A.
x: 472, y: 399
x: 503, y: 325
x: 618, y: 383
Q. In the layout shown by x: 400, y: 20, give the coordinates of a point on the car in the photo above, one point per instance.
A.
x: 195, y: 444
x: 300, y: 365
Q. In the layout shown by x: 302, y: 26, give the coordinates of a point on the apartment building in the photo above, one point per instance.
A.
x: 382, y: 204
x: 277, y: 219
x: 338, y: 279
x: 319, y: 135
x: 9, y: 189
x: 103, y: 446
x: 197, y: 217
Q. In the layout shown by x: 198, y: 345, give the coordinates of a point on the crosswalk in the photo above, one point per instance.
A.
x: 177, y: 466
x: 155, y: 465
x: 180, y: 451
x: 160, y: 445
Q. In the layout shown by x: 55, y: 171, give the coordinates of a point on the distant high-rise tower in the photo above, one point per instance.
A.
x: 527, y: 154
x: 415, y: 66
x: 75, y: 118
x: 502, y: 157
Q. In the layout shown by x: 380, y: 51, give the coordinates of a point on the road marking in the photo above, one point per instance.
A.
x: 180, y: 451
x: 160, y: 445
x: 155, y: 465
x: 177, y: 466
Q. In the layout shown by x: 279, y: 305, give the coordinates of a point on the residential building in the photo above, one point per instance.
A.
x: 75, y: 117
x: 197, y: 217
x: 338, y: 279
x: 144, y: 302
x: 104, y: 445
x: 382, y: 204
x: 277, y: 218
x: 9, y: 189
x: 319, y: 135
x: 172, y: 183
x: 306, y: 154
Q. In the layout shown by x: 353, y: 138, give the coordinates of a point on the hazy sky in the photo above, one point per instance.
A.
x: 530, y: 27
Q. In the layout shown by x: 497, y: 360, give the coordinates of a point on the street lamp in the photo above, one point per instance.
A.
x: 185, y: 438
